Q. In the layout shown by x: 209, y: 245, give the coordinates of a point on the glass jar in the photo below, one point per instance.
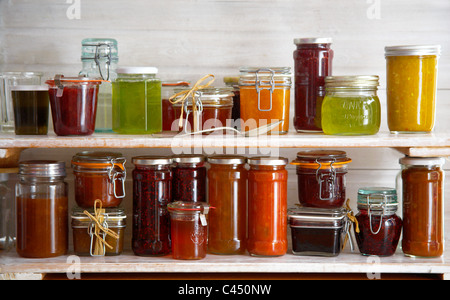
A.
x: 189, y: 178
x: 189, y: 229
x: 321, y: 178
x: 411, y: 88
x: 73, y: 101
x: 100, y: 58
x: 265, y: 98
x: 84, y: 239
x: 152, y: 192
x: 318, y: 231
x: 423, y: 201
x: 267, y: 206
x: 214, y: 106
x: 99, y: 175
x: 313, y: 62
x: 42, y: 209
x: 233, y: 82
x: 7, y: 228
x: 351, y: 106
x: 168, y: 113
x: 379, y: 226
x: 137, y: 107
x: 227, y: 193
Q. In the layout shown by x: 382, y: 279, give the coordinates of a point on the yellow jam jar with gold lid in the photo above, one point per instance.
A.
x: 411, y: 87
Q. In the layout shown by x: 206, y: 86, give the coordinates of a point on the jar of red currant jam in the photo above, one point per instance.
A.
x: 321, y: 178
x: 379, y: 226
x: 152, y: 192
x: 189, y: 178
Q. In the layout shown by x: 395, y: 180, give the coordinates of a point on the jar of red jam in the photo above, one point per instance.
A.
x: 99, y: 175
x: 73, y: 101
x: 313, y: 62
x: 321, y: 178
x: 189, y: 178
x: 189, y: 228
x: 168, y: 112
x: 267, y: 206
x: 152, y: 192
x: 379, y: 226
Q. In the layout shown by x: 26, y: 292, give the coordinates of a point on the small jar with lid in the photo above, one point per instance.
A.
x: 85, y: 241
x: 265, y: 98
x: 379, y: 226
x: 321, y: 178
x: 351, y: 106
x: 152, y: 192
x: 42, y: 209
x: 99, y: 175
x: 189, y: 178
x: 137, y: 107
x: 168, y: 113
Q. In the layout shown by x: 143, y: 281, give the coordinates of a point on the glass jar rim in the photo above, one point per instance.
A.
x: 137, y: 70
x: 413, y: 50
x: 422, y: 161
x: 188, y: 207
x: 313, y: 40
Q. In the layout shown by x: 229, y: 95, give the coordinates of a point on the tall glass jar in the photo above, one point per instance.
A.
x: 189, y: 178
x: 137, y: 107
x: 152, y: 192
x: 351, y: 106
x: 7, y: 227
x: 313, y: 62
x: 267, y: 206
x: 379, y: 226
x: 227, y: 193
x: 423, y: 211
x: 42, y: 209
x: 100, y: 58
x: 411, y: 87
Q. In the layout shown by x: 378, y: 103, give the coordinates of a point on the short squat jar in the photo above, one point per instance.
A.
x: 379, y: 226
x: 189, y: 178
x: 351, y: 106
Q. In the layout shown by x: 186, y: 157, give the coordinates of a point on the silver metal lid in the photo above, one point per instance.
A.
x: 152, y: 160
x: 188, y: 159
x: 368, y: 81
x: 227, y: 160
x: 422, y: 161
x: 42, y: 168
x: 313, y: 40
x: 413, y: 50
x: 317, y: 217
x: 268, y: 161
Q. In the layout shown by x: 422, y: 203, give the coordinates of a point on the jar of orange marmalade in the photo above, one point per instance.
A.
x: 99, y: 175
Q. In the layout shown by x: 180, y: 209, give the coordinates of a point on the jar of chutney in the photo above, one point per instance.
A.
x: 189, y: 178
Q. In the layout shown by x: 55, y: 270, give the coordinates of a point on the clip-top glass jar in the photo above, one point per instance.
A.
x: 313, y: 62
x: 351, y: 106
x: 411, y: 87
x: 379, y: 226
x: 423, y: 211
x: 189, y: 178
x: 265, y: 98
x: 42, y: 209
x: 99, y: 175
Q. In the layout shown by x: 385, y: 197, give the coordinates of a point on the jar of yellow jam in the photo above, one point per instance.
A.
x: 411, y: 88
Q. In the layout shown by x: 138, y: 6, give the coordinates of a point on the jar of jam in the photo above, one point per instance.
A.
x: 168, y: 113
x: 265, y: 98
x: 189, y: 178
x: 379, y: 226
x: 42, y: 209
x: 152, y: 191
x: 267, y: 206
x: 411, y: 87
x: 313, y: 62
x: 86, y: 243
x: 99, y: 175
x: 318, y: 231
x: 351, y: 106
x: 227, y: 193
x: 189, y: 228
x: 321, y: 178
x: 423, y: 201
x: 73, y: 101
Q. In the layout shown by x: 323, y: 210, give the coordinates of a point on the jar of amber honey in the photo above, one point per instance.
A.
x: 42, y: 209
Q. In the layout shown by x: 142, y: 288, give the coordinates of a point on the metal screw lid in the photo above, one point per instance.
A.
x: 42, y: 168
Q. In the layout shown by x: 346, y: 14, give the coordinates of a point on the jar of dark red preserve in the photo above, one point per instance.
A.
x: 189, y: 178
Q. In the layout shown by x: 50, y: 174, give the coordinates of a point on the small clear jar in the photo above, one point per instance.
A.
x: 379, y: 226
x: 189, y: 178
x: 351, y: 106
x: 168, y: 113
x: 42, y: 209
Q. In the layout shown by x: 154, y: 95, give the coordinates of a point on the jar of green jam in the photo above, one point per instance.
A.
x: 351, y: 106
x: 137, y: 106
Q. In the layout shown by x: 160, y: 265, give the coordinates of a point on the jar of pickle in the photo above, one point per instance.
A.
x: 411, y: 87
x: 423, y: 206
x: 168, y: 112
x: 189, y: 178
x: 227, y: 193
x: 379, y: 226
x: 152, y: 192
x: 42, y: 209
x: 99, y: 175
x: 265, y: 98
x: 321, y: 178
x: 267, y: 206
